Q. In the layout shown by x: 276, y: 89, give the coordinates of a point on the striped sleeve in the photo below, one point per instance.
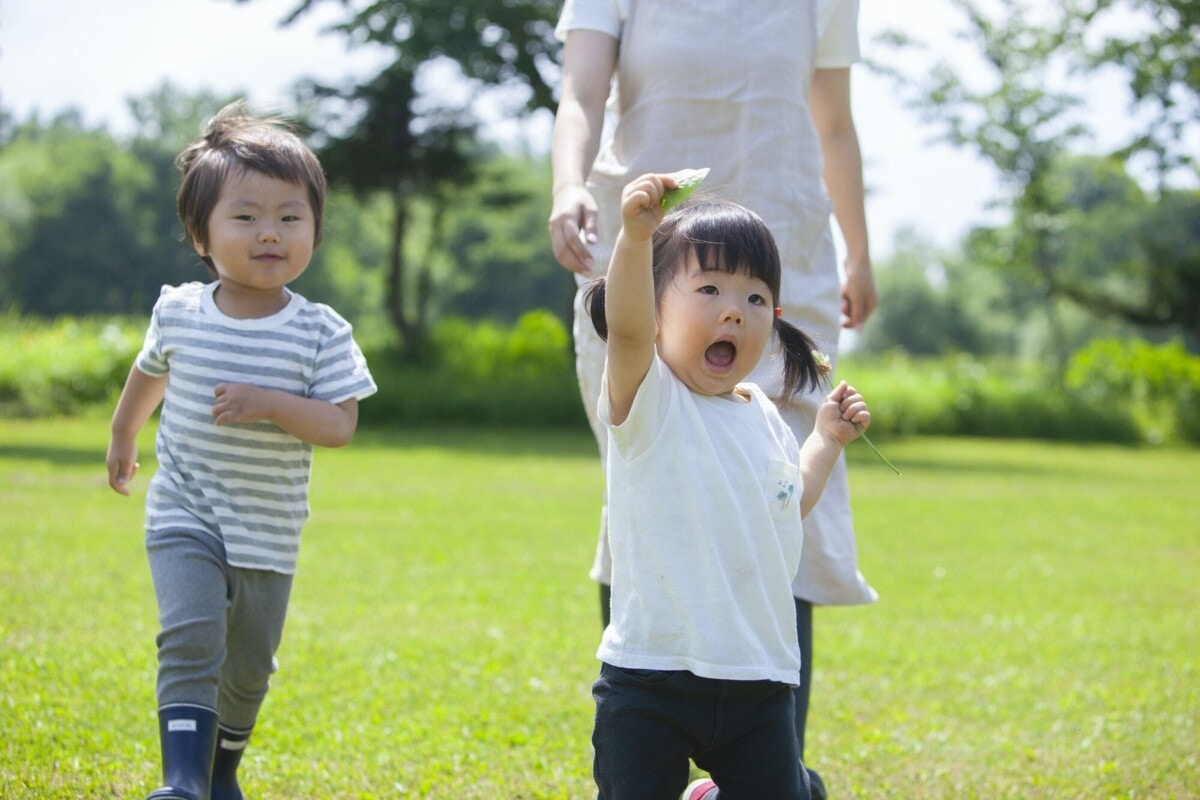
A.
x: 151, y: 359
x: 340, y: 370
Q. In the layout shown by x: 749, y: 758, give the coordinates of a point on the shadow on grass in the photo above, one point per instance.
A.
x: 958, y: 460
x: 58, y: 456
x: 551, y: 441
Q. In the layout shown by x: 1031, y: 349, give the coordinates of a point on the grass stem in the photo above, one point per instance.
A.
x: 867, y: 439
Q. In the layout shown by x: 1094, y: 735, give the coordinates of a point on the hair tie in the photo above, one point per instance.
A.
x: 778, y: 312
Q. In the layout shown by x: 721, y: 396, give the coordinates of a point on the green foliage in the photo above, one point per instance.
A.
x: 1123, y: 265
x: 89, y: 221
x: 501, y: 264
x: 87, y: 225
x: 1104, y: 248
x: 934, y: 303
x: 1035, y: 637
x: 1120, y: 256
x: 63, y: 366
x: 481, y: 374
x: 1154, y: 42
x: 1160, y: 384
x: 959, y: 395
x: 495, y: 373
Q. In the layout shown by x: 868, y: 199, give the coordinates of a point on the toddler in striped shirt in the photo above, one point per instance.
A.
x: 250, y: 376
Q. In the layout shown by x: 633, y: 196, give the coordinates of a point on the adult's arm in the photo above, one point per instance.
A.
x: 589, y: 60
x: 834, y: 121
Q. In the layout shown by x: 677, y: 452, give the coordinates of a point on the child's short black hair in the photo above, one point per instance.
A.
x: 235, y: 142
x: 729, y: 237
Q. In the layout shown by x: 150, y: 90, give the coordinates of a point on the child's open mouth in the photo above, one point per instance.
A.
x: 720, y: 354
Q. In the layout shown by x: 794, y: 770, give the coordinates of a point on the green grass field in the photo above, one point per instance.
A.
x: 1037, y: 635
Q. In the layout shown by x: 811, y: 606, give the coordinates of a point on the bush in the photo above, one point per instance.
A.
x: 1159, y: 384
x: 490, y: 374
x: 963, y: 396
x: 481, y: 373
x: 63, y: 366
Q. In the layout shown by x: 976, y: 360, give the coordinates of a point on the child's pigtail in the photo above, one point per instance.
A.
x: 593, y: 301
x: 802, y: 371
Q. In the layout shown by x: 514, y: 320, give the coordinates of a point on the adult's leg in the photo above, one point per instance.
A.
x: 804, y: 635
x: 801, y: 693
x: 590, y: 351
x: 605, y: 604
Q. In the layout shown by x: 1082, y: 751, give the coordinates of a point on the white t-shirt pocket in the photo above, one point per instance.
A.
x: 783, y: 489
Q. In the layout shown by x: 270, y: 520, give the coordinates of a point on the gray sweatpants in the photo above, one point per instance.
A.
x: 220, y: 626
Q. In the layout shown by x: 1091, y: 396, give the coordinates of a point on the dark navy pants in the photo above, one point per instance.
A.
x: 649, y: 723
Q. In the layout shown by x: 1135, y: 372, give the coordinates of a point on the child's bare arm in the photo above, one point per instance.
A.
x: 317, y: 422
x: 139, y: 398
x: 629, y: 293
x: 841, y: 418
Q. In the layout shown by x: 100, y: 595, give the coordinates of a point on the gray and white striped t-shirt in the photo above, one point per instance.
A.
x: 246, y: 484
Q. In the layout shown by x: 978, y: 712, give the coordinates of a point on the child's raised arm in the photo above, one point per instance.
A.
x: 629, y: 302
x: 841, y: 418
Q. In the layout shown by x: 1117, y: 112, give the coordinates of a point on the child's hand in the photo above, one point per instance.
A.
x: 843, y: 414
x: 122, y: 465
x: 641, y: 208
x: 240, y: 402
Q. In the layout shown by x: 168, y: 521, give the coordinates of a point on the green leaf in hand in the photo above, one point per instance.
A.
x: 687, y: 180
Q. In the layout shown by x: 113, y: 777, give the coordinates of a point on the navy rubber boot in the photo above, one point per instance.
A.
x: 230, y: 746
x: 188, y: 736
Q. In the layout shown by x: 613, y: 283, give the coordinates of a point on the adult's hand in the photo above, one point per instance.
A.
x: 858, y: 296
x: 573, y: 228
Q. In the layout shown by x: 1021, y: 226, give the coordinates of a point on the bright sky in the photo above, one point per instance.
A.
x: 93, y: 55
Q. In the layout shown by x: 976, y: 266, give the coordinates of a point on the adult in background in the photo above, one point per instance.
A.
x: 758, y: 91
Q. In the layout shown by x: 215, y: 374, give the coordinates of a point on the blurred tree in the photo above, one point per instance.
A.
x: 503, y: 265
x: 347, y: 270
x: 74, y: 237
x: 938, y: 303
x: 1154, y: 253
x: 6, y: 126
x: 1156, y: 43
x: 1119, y: 253
x: 1022, y: 125
x: 388, y: 135
x: 1017, y: 122
x: 89, y: 222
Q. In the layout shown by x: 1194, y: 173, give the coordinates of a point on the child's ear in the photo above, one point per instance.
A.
x: 200, y: 249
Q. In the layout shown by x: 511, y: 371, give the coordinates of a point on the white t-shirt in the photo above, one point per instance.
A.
x: 837, y: 26
x: 704, y: 525
x: 244, y: 483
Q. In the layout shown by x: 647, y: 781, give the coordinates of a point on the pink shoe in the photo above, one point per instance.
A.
x: 703, y: 789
